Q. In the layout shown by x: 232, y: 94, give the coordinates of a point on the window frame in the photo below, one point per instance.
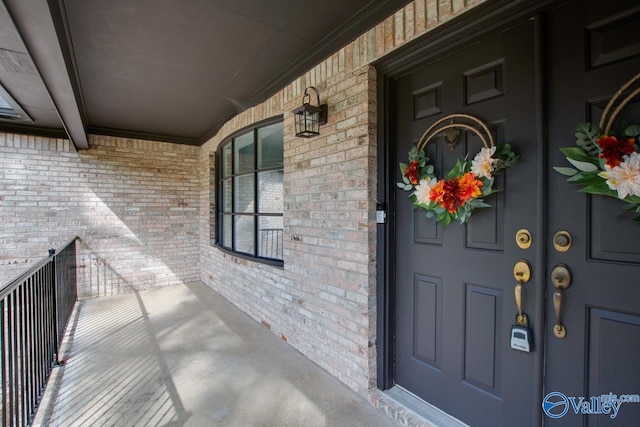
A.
x: 220, y: 213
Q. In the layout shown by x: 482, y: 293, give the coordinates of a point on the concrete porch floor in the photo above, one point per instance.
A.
x: 184, y: 356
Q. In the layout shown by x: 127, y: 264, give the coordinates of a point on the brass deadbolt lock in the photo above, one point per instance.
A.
x: 562, y: 241
x: 523, y: 238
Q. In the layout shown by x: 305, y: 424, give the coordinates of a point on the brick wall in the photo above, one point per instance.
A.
x: 323, y: 301
x: 140, y: 206
x: 133, y: 204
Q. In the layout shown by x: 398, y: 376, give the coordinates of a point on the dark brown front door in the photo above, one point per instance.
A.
x: 594, y: 48
x: 455, y: 287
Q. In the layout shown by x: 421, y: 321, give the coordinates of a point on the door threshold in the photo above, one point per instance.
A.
x: 431, y: 414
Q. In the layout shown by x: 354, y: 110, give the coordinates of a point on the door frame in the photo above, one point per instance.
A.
x: 479, y: 23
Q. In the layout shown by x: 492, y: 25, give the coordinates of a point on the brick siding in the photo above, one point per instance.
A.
x: 132, y: 203
x: 142, y: 209
x: 323, y: 302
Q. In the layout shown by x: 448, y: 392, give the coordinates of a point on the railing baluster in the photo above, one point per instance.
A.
x: 3, y: 361
x: 31, y: 397
x: 38, y: 334
x: 271, y: 242
x: 12, y: 358
x: 49, y: 321
x: 54, y: 303
x: 41, y: 335
x: 7, y: 347
x: 22, y: 353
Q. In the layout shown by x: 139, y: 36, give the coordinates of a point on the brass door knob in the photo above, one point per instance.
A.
x: 562, y: 241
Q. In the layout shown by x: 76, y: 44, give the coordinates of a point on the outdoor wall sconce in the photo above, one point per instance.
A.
x: 308, y: 118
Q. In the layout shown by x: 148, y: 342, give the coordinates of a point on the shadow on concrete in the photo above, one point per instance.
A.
x: 184, y: 356
x: 114, y: 372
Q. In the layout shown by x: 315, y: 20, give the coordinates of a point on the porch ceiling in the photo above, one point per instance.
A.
x: 172, y: 70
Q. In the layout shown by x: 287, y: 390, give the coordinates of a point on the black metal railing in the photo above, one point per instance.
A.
x: 271, y: 243
x: 35, y: 309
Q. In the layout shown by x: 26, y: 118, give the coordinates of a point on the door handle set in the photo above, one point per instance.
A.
x: 560, y: 277
x: 561, y: 280
x: 522, y: 274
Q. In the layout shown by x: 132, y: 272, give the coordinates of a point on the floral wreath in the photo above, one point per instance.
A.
x: 606, y: 161
x: 461, y: 191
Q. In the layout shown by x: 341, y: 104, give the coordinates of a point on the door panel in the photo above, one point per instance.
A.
x: 427, y: 343
x: 484, y: 82
x: 454, y: 287
x: 596, y: 48
x: 482, y: 338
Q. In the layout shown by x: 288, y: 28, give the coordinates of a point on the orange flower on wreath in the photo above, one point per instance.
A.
x: 437, y: 192
x: 468, y: 188
x: 454, y: 193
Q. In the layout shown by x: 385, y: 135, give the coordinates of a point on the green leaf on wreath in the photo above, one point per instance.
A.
x: 583, y: 166
x: 565, y: 171
x: 586, y: 178
x: 632, y: 131
x: 577, y: 153
x: 635, y: 200
x: 505, y: 156
x: 587, y: 136
x: 600, y: 190
x: 480, y: 204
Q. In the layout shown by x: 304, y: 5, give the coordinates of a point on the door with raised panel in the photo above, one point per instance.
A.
x: 594, y: 48
x: 455, y: 286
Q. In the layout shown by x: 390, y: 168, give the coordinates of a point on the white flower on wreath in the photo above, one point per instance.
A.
x: 423, y: 189
x: 624, y: 178
x: 483, y: 164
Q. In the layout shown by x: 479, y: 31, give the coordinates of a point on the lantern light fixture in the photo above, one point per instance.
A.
x: 308, y: 118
